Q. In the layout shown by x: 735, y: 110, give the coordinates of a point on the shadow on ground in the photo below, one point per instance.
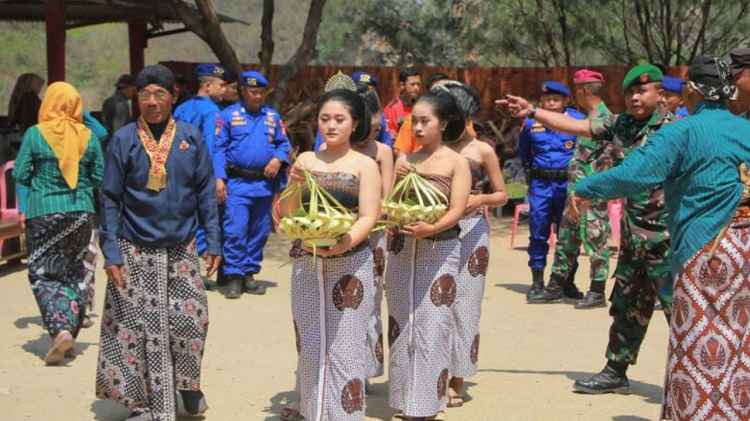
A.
x: 377, y: 403
x: 517, y: 288
x: 24, y: 322
x: 107, y: 410
x: 650, y: 392
x: 40, y: 346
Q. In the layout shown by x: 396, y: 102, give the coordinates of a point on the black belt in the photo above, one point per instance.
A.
x: 549, y: 175
x: 237, y: 172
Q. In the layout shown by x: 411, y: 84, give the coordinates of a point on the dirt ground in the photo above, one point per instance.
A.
x: 529, y: 355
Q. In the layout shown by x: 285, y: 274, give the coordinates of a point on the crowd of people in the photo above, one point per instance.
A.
x: 161, y: 188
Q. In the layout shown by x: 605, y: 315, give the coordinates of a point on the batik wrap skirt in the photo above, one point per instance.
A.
x: 708, y: 367
x: 57, y: 244
x: 153, y: 330
x: 467, y: 309
x: 332, y: 304
x: 421, y: 290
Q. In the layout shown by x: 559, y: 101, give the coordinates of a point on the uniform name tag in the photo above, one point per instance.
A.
x: 537, y: 128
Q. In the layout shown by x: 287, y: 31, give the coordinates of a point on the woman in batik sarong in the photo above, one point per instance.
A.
x: 423, y: 264
x: 383, y: 156
x: 61, y: 163
x: 703, y: 162
x: 487, y: 190
x: 333, y: 290
x: 158, y: 187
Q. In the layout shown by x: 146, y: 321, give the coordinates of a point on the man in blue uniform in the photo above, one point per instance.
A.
x: 366, y: 81
x: 545, y: 154
x: 251, y: 149
x: 201, y: 111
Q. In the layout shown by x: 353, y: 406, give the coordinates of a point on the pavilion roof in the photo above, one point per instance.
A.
x: 92, y: 12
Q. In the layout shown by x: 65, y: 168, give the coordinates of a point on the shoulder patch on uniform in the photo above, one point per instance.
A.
x: 537, y: 128
x: 569, y: 145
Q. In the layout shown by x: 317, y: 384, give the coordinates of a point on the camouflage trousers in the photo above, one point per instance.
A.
x: 594, y: 225
x: 643, y: 275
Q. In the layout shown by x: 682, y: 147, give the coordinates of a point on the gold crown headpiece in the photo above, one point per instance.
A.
x: 340, y: 81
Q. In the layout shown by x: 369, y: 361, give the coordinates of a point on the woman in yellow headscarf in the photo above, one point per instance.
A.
x: 61, y: 163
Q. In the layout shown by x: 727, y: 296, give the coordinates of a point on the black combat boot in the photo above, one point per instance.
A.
x: 611, y: 379
x: 252, y: 286
x: 537, y: 285
x: 234, y: 287
x: 594, y: 298
x: 571, y: 293
x: 553, y: 293
x: 591, y: 300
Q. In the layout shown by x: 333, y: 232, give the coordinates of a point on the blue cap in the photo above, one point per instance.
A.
x: 213, y: 70
x: 253, y: 79
x: 553, y: 87
x: 672, y: 84
x: 364, y: 77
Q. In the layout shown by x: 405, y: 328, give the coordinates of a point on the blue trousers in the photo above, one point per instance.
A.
x: 247, y: 225
x: 546, y: 206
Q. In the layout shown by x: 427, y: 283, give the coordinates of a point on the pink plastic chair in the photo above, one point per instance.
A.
x: 7, y: 212
x: 524, y: 207
x: 614, y: 209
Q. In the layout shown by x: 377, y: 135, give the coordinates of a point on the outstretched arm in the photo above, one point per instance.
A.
x: 519, y: 107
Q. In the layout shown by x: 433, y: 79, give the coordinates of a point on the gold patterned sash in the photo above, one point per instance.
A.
x: 157, y: 152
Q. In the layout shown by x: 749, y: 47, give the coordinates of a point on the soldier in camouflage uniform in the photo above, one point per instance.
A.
x: 592, y: 228
x: 643, y: 268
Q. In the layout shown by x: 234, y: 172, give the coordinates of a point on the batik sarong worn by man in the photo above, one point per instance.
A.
x: 703, y: 163
x: 158, y: 188
x: 643, y: 271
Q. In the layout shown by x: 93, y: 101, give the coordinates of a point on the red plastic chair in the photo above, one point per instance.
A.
x: 524, y: 207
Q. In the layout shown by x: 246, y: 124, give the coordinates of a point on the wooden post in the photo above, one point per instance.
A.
x: 55, y: 23
x: 137, y: 38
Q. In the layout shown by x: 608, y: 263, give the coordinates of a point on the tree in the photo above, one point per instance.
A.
x: 205, y: 23
x: 672, y: 32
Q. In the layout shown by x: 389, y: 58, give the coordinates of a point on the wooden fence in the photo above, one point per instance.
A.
x: 491, y: 83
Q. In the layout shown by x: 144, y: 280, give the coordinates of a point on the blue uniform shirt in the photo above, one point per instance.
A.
x: 547, y: 149
x: 201, y: 112
x: 249, y: 141
x: 384, y: 136
x: 682, y: 112
x: 169, y: 217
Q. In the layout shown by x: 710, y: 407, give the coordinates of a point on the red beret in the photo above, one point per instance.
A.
x: 587, y: 76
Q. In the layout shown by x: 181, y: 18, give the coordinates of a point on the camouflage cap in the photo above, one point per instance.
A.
x: 640, y: 75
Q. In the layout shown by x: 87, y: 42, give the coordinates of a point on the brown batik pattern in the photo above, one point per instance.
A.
x: 332, y: 300
x: 353, y: 396
x: 348, y: 293
x: 708, y: 365
x: 418, y: 360
x: 467, y: 308
x: 375, y: 325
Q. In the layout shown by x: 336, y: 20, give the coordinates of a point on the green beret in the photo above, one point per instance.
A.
x: 641, y: 74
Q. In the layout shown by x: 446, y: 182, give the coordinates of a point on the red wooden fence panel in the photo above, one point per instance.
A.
x: 491, y: 82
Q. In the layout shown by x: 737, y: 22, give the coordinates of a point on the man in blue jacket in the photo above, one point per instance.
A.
x: 251, y: 149
x: 545, y: 154
x: 201, y: 111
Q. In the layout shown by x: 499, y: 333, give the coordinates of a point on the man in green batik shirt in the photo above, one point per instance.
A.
x: 592, y: 228
x: 643, y: 271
